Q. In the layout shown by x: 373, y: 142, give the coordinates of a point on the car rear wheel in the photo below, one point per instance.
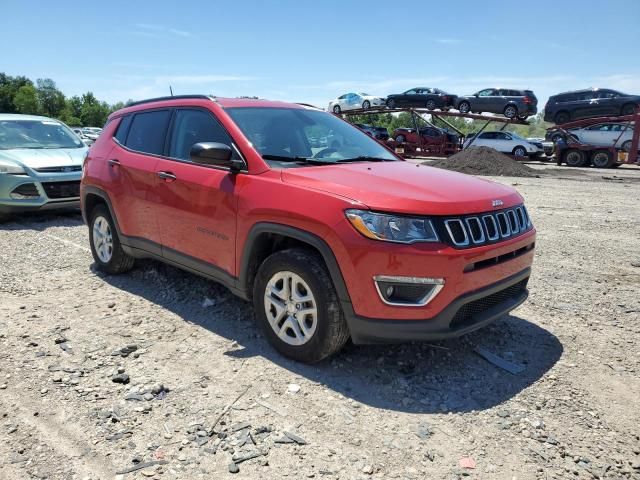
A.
x: 575, y: 158
x: 336, y: 109
x: 628, y: 109
x: 105, y: 244
x: 391, y: 103
x: 602, y: 159
x: 431, y: 105
x: 510, y: 111
x: 366, y: 104
x: 562, y: 117
x: 519, y: 151
x: 297, y: 306
x: 400, y: 139
x: 464, y: 107
x: 626, y: 146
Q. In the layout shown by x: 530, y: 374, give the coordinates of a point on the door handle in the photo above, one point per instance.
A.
x: 114, y: 163
x: 167, y: 176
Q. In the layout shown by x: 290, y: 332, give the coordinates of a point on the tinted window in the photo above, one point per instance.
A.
x: 488, y: 135
x: 191, y: 127
x: 123, y: 129
x: 487, y: 93
x: 147, y: 132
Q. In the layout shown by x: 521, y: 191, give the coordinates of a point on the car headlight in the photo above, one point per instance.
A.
x: 392, y: 228
x: 11, y: 168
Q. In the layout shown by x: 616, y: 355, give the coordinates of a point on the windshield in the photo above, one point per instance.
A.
x: 293, y: 133
x: 36, y: 134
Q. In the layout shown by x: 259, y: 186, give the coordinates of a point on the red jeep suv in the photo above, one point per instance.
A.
x: 334, y: 241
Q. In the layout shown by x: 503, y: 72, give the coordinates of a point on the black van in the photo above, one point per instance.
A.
x: 592, y: 102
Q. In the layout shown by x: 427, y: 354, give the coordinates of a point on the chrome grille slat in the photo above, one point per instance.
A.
x: 474, y: 230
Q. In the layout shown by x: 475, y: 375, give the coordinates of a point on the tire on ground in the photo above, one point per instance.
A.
x: 575, y: 158
x: 120, y: 261
x: 331, y: 331
x: 602, y: 159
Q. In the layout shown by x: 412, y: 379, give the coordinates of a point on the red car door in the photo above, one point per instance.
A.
x: 132, y: 166
x: 197, y: 203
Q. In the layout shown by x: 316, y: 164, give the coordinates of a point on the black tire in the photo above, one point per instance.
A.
x: 519, y: 151
x: 331, y: 331
x: 391, y: 103
x: 120, y: 261
x: 602, y: 159
x: 557, y: 136
x: 431, y: 105
x: 562, y: 117
x: 575, y: 158
x: 336, y: 109
x: 464, y: 107
x: 510, y: 111
x: 4, y: 217
x: 366, y: 105
x: 626, y: 146
x: 400, y: 139
x: 628, y: 109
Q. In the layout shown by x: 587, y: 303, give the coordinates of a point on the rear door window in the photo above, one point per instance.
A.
x: 147, y: 132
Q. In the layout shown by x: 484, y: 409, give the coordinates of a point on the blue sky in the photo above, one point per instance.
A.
x: 314, y: 51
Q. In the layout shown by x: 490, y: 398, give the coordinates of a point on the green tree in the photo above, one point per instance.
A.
x: 51, y: 100
x: 26, y: 100
x: 9, y: 86
x: 93, y: 113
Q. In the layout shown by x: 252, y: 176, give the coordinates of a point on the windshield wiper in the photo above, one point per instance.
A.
x: 296, y: 159
x: 364, y: 158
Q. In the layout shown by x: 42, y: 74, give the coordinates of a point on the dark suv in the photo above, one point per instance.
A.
x: 592, y: 102
x: 509, y: 102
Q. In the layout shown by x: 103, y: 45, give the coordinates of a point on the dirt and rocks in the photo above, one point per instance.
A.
x: 161, y: 374
x: 484, y: 161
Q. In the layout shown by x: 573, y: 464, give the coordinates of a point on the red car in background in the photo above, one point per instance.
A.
x: 434, y: 140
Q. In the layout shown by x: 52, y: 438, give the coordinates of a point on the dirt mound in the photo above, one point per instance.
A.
x: 484, y: 161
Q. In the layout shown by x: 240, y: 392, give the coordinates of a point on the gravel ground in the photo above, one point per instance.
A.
x: 165, y: 373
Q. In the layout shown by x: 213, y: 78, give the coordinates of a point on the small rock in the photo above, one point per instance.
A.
x: 367, y: 469
x: 293, y: 388
x: 3, y: 386
x: 56, y: 377
x: 44, y: 391
x: 148, y: 396
x: 120, y: 378
x: 233, y: 468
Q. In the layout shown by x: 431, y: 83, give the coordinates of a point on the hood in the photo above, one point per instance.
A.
x: 45, y: 157
x: 404, y: 187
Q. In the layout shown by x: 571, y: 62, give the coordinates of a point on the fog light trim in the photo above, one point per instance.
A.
x: 436, y: 283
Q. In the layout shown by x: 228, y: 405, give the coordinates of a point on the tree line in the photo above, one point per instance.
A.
x: 21, y: 95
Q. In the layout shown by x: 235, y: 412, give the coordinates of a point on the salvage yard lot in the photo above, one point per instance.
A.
x: 409, y: 411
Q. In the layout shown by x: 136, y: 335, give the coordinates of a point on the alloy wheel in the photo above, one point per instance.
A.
x: 102, y: 239
x: 291, y: 308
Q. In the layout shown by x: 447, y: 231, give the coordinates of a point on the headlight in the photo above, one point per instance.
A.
x: 11, y: 168
x: 392, y: 228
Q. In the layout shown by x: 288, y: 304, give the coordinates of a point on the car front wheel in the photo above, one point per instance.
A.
x: 366, y: 105
x: 105, y: 245
x: 391, y: 103
x: 336, y: 109
x: 510, y: 111
x: 297, y: 306
x: 519, y: 151
x: 431, y: 105
x: 464, y: 107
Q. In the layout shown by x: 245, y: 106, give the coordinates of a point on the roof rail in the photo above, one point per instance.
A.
x: 174, y: 97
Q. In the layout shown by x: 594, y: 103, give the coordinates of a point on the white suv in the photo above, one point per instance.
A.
x: 605, y: 134
x: 505, y: 142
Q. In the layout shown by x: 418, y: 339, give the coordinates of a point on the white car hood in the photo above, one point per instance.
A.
x: 45, y: 157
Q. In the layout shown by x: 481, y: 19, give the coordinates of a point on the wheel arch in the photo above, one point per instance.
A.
x: 266, y: 238
x: 93, y: 196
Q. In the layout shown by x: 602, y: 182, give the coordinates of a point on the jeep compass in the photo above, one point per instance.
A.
x: 330, y: 239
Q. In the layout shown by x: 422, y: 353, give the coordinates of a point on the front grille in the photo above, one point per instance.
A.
x: 481, y: 229
x: 62, y: 189
x: 66, y: 169
x: 468, y: 312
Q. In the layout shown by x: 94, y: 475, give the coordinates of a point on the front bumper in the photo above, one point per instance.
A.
x: 47, y: 191
x: 465, y: 314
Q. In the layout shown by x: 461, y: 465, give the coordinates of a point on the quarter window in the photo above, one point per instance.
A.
x: 191, y: 127
x: 123, y: 129
x: 147, y: 132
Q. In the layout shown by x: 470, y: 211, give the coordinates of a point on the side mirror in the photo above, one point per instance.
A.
x: 215, y: 154
x: 476, y: 95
